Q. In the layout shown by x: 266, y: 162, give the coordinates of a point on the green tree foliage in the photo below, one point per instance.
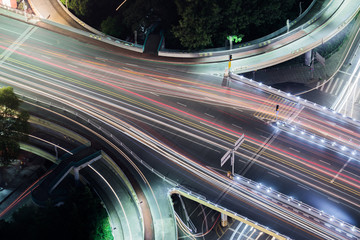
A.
x: 113, y: 26
x: 81, y: 217
x: 191, y: 24
x: 93, y: 12
x: 207, y: 23
x: 139, y: 15
x: 81, y: 7
x: 200, y: 19
x: 13, y: 125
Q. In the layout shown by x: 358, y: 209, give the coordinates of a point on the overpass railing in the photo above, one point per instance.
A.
x: 295, y: 98
x: 32, y: 19
x: 202, y: 200
x: 252, y: 45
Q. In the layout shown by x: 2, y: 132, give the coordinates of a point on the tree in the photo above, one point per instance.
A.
x: 13, y: 125
x: 189, y: 24
x: 200, y: 20
x: 113, y: 26
x: 81, y: 7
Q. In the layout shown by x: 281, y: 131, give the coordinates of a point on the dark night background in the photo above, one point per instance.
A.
x: 188, y: 24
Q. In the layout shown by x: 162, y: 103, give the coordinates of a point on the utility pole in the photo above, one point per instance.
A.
x: 25, y: 8
x: 312, y: 67
x: 230, y: 56
x: 230, y: 59
x: 230, y: 40
x: 231, y: 153
x: 288, y: 25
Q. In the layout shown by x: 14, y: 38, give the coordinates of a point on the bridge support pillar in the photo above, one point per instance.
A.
x: 308, y: 58
x: 76, y: 174
x: 224, y: 221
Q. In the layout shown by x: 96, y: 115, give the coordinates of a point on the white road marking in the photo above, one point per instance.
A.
x: 294, y: 149
x: 235, y: 231
x: 154, y: 94
x: 345, y: 73
x: 209, y: 115
x: 156, y: 79
x: 73, y: 66
x: 329, y: 84
x: 341, y: 170
x: 271, y: 173
x: 130, y: 64
x: 331, y: 199
x: 322, y: 87
x: 236, y: 126
x: 302, y: 186
x: 355, y: 175
x: 338, y: 89
x: 325, y: 162
x: 184, y: 105
x: 39, y: 40
x: 101, y: 59
x: 335, y: 84
x: 357, y: 96
x: 45, y: 57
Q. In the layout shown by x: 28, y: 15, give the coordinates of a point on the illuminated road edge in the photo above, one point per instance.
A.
x: 292, y: 97
x: 202, y: 200
x: 250, y: 187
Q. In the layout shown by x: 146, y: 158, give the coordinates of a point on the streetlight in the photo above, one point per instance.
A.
x: 287, y: 25
x: 25, y: 8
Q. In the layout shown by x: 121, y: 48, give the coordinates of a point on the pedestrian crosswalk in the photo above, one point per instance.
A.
x: 334, y: 86
x: 267, y: 111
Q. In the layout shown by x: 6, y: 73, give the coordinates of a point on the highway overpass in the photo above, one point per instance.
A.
x: 181, y: 123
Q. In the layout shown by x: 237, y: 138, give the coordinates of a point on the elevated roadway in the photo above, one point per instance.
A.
x: 329, y: 21
x: 178, y: 121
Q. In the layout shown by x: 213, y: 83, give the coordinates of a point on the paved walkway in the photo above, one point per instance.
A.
x: 299, y: 73
x: 51, y: 10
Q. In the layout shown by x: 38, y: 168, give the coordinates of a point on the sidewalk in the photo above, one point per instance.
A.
x: 295, y: 70
x: 51, y: 10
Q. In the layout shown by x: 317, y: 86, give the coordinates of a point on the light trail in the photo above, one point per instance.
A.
x: 23, y: 195
x: 254, y: 102
x: 48, y: 142
x: 168, y: 155
x: 121, y: 153
x: 116, y: 196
